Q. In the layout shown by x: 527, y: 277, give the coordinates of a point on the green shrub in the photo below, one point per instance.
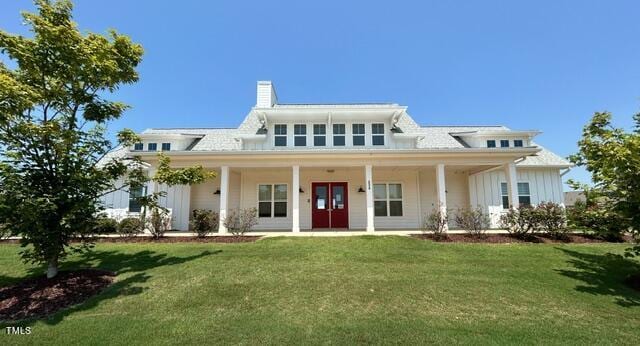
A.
x: 552, y: 219
x: 597, y: 219
x: 130, y: 227
x: 474, y: 221
x: 520, y: 222
x: 240, y: 221
x: 105, y: 225
x: 4, y: 231
x: 436, y: 222
x: 204, y: 222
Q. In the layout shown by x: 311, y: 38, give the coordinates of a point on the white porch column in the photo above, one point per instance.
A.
x: 295, y: 191
x: 512, y: 184
x: 224, y: 197
x: 441, y: 190
x: 368, y: 177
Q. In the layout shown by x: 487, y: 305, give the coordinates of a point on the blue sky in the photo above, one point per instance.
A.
x: 544, y: 65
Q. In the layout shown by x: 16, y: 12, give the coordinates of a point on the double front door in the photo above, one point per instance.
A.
x: 330, y: 207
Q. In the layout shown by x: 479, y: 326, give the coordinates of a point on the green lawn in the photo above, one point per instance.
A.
x: 344, y: 291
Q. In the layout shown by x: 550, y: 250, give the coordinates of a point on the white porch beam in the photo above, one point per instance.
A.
x: 441, y: 190
x: 295, y: 191
x: 368, y: 176
x: 224, y: 197
x: 512, y: 184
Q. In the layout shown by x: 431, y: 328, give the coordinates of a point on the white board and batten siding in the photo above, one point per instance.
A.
x: 545, y: 185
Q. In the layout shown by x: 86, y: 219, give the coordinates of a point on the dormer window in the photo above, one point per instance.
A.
x: 504, y: 143
x: 300, y: 135
x: 166, y: 146
x: 319, y: 135
x: 280, y: 135
x: 138, y: 147
x: 377, y: 134
x: 518, y: 143
x: 491, y: 143
x: 152, y: 146
x: 358, y: 134
x: 338, y: 135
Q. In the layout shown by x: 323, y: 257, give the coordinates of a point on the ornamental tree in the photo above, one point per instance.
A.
x: 612, y: 156
x: 54, y: 108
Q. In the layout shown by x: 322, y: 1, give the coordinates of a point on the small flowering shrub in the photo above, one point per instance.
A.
x: 241, y: 221
x: 436, y: 222
x: 204, y: 222
x: 474, y: 221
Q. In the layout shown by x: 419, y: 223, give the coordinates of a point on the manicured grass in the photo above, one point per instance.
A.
x: 347, y: 290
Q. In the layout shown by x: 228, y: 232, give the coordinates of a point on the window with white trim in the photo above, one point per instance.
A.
x: 338, y: 135
x: 138, y: 147
x: 524, y: 194
x: 152, y: 146
x: 272, y: 200
x: 166, y: 146
x: 491, y: 143
x: 377, y: 134
x: 134, y: 198
x: 280, y: 135
x: 517, y: 143
x: 300, y: 135
x: 387, y: 199
x: 358, y: 134
x: 319, y: 135
x: 504, y: 143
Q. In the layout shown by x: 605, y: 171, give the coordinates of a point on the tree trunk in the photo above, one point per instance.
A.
x: 52, y: 267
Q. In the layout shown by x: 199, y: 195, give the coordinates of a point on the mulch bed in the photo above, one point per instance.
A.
x: 39, y: 297
x: 507, y: 239
x: 214, y: 239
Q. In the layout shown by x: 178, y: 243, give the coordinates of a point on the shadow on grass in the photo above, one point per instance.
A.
x: 131, y: 270
x: 603, y: 275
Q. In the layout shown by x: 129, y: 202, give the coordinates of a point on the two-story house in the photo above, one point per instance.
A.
x: 365, y: 167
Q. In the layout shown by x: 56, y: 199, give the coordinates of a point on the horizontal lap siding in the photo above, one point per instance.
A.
x: 248, y: 194
x: 410, y: 218
x: 203, y: 197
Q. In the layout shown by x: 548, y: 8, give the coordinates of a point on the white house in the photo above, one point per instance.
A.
x: 365, y: 167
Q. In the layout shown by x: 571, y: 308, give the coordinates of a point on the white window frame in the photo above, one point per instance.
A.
x: 518, y: 146
x: 286, y: 130
x: 168, y: 144
x: 363, y: 135
x: 494, y: 143
x: 343, y: 135
x: 273, y: 201
x: 388, y: 198
x: 502, y: 195
x: 505, y: 140
x: 319, y: 135
x: 306, y: 132
x: 383, y: 135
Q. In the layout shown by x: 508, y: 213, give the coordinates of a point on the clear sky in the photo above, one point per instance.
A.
x: 545, y: 65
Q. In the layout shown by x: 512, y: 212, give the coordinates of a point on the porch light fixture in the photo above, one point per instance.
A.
x: 360, y: 189
x: 217, y: 192
x: 300, y: 190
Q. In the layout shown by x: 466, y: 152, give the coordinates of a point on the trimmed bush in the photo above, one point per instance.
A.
x: 552, y: 219
x: 240, y: 221
x: 204, y: 222
x: 130, y: 227
x: 105, y: 225
x: 520, y: 222
x: 436, y: 222
x: 474, y: 221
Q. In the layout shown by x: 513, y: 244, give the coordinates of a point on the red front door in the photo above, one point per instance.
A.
x: 330, y: 207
